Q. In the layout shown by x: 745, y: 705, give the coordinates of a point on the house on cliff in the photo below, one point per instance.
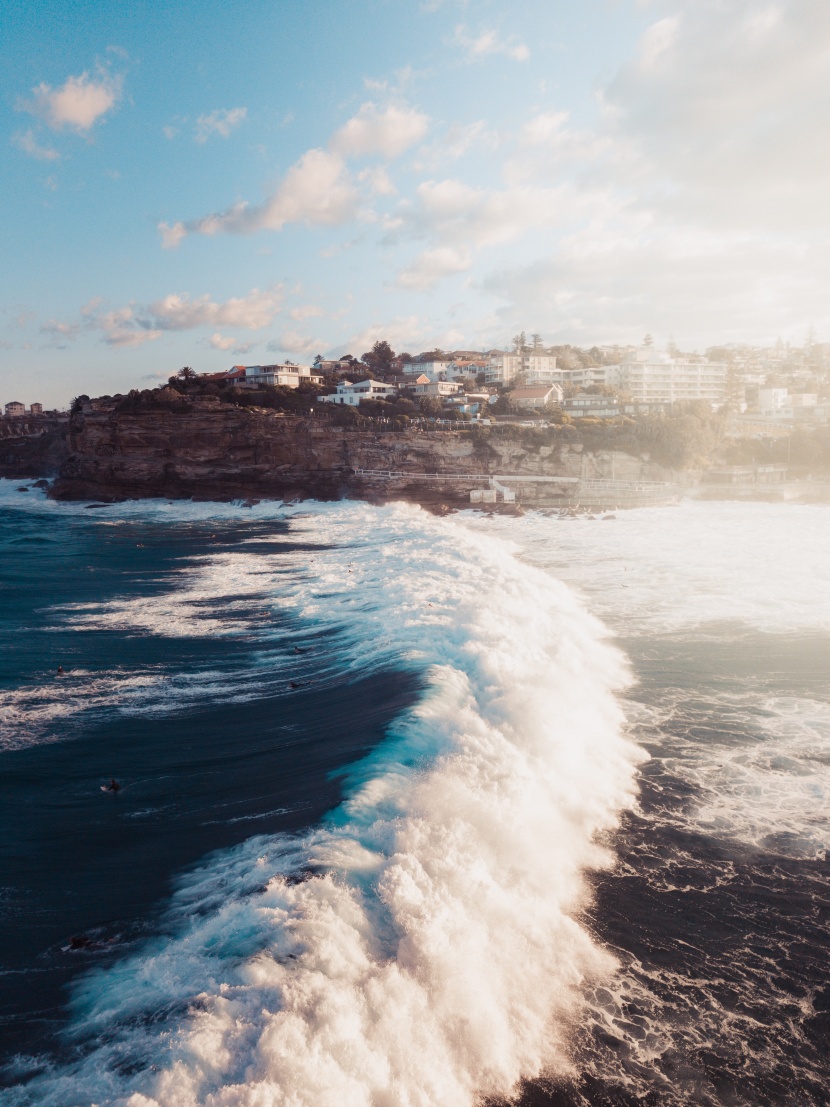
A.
x: 539, y: 396
x: 352, y: 394
x: 280, y: 376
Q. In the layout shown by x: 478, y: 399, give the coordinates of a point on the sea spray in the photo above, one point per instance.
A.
x: 425, y: 945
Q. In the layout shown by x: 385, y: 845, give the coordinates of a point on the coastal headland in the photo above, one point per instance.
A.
x: 212, y: 451
x: 203, y: 449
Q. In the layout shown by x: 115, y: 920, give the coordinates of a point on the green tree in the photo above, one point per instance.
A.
x: 379, y: 359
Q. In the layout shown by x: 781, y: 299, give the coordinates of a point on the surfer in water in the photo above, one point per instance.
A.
x: 113, y: 786
x: 60, y: 670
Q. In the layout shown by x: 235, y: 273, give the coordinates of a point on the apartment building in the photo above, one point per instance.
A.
x: 650, y: 377
x: 535, y: 367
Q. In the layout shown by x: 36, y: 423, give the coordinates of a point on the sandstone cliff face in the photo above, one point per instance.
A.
x: 32, y: 448
x: 218, y: 452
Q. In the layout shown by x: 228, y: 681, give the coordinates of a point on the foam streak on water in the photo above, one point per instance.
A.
x: 426, y: 944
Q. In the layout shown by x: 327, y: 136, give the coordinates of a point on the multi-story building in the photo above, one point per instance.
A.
x: 653, y: 378
x: 588, y: 375
x: 284, y: 376
x: 536, y: 368
x: 14, y: 409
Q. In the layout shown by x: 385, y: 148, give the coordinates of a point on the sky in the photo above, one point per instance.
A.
x: 207, y: 184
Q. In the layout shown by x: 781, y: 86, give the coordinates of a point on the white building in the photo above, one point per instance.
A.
x: 586, y: 376
x: 772, y: 400
x: 435, y: 370
x: 352, y: 394
x: 651, y: 377
x: 437, y: 388
x: 14, y: 409
x: 285, y: 375
x: 536, y: 368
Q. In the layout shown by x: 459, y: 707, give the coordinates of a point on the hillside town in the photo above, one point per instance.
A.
x: 760, y: 388
x: 761, y: 391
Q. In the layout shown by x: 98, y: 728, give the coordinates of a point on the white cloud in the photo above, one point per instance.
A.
x: 486, y: 43
x: 56, y: 329
x: 292, y: 342
x: 178, y: 312
x: 702, y: 286
x: 727, y: 106
x: 121, y: 328
x: 454, y: 213
x: 400, y: 332
x: 221, y: 342
x: 135, y: 324
x: 432, y: 266
x: 306, y: 311
x: 388, y: 132
x: 378, y: 181
x: 27, y: 142
x: 458, y: 141
x: 171, y: 236
x: 219, y: 122
x: 318, y: 191
x: 79, y: 102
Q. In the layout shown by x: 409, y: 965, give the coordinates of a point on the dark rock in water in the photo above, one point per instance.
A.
x: 80, y: 941
x: 23, y: 488
x: 41, y: 484
x: 90, y: 506
x: 250, y: 503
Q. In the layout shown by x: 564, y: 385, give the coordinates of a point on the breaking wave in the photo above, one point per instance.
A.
x: 426, y: 944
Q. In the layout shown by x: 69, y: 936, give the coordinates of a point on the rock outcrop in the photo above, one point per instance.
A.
x: 212, y: 451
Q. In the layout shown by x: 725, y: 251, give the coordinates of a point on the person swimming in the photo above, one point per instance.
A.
x: 113, y: 786
x: 60, y: 670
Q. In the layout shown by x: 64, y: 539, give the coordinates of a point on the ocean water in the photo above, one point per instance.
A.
x: 413, y: 811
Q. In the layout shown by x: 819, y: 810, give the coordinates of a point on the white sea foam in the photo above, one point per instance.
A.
x: 773, y: 790
x: 435, y: 954
x: 678, y: 568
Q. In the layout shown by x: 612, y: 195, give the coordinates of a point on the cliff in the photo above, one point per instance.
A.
x: 32, y: 447
x: 212, y: 451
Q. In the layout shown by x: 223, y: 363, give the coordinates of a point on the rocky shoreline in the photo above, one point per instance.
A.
x: 209, y: 451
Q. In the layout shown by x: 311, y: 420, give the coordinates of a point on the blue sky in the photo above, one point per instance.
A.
x: 204, y: 185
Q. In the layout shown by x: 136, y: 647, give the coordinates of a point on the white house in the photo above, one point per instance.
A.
x: 285, y: 375
x: 435, y: 370
x: 437, y: 388
x: 352, y: 394
x: 14, y: 408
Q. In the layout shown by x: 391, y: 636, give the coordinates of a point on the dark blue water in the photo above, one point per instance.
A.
x: 724, y: 993
x: 224, y: 715
x: 84, y: 873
